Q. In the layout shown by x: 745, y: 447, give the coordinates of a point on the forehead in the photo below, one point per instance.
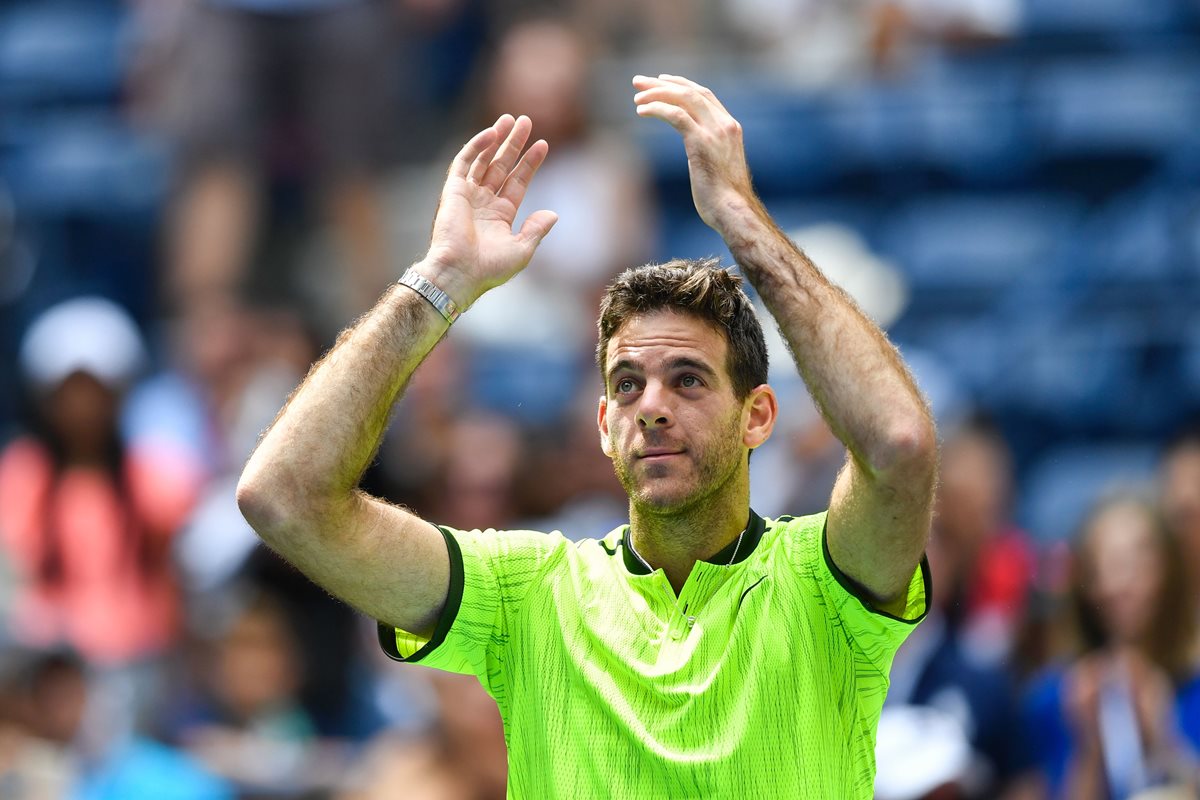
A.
x: 648, y: 338
x: 1120, y: 532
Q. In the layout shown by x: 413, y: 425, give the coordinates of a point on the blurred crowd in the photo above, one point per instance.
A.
x: 195, y: 195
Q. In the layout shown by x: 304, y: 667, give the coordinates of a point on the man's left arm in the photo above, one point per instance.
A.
x: 881, y: 508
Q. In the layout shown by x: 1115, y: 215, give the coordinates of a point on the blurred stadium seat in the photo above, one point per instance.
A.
x: 1062, y: 485
x: 54, y: 52
x: 1129, y: 106
x: 963, y: 247
x: 533, y: 386
x: 1041, y: 17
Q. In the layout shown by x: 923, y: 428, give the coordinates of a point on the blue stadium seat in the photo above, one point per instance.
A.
x: 877, y: 126
x: 973, y: 124
x: 787, y: 142
x: 88, y: 164
x: 532, y: 385
x: 974, y: 242
x: 1137, y: 238
x: 1061, y: 487
x: 1041, y: 17
x: 1078, y: 375
x: 1190, y: 373
x: 1145, y: 106
x: 61, y: 52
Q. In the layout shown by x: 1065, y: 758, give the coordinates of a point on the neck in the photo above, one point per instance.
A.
x: 675, y: 540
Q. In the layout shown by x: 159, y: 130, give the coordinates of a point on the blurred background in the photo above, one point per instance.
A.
x: 196, y: 195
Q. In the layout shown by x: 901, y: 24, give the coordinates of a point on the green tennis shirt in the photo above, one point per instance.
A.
x: 764, y: 678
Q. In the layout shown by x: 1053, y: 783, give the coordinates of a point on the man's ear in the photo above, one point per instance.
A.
x: 602, y: 424
x: 758, y: 418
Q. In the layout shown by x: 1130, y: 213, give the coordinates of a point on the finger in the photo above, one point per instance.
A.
x: 508, y: 154
x: 518, y: 180
x: 706, y: 93
x: 477, y: 144
x: 645, y: 81
x: 484, y: 158
x: 535, y: 228
x: 688, y: 99
x: 675, y: 116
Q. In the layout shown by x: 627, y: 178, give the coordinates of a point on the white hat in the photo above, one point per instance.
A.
x: 87, y: 334
x: 918, y: 749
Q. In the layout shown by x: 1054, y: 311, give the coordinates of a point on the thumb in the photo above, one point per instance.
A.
x: 536, y: 226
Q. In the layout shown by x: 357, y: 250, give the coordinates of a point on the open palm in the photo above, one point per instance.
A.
x: 473, y: 245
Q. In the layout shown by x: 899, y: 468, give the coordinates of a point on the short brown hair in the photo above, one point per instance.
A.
x: 702, y: 288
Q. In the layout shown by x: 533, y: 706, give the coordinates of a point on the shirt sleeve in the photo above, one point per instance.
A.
x: 491, y: 573
x: 876, y: 634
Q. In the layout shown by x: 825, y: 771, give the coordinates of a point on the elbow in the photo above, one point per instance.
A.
x: 277, y: 503
x: 907, y: 452
x: 259, y: 504
x: 270, y: 502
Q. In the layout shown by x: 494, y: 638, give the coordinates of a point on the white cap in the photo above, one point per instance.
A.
x: 87, y: 334
x: 918, y: 749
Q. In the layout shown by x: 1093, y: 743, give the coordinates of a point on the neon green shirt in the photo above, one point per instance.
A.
x: 762, y: 679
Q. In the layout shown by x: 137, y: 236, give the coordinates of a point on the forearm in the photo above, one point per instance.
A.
x: 854, y: 373
x: 314, y: 454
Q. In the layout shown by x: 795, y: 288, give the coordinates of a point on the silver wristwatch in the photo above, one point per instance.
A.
x: 436, y: 297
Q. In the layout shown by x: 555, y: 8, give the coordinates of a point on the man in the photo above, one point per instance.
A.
x: 700, y: 650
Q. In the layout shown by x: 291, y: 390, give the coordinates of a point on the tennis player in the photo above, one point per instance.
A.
x: 701, y: 650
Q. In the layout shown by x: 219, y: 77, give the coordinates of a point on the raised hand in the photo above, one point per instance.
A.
x: 712, y: 139
x: 473, y: 247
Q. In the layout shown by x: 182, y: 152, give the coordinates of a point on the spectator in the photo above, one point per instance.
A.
x: 87, y: 520
x: 483, y: 461
x: 939, y: 682
x: 248, y: 724
x: 230, y: 365
x: 1125, y: 715
x: 38, y: 696
x: 988, y: 564
x: 541, y: 70
x: 462, y: 758
x: 273, y: 85
x: 67, y: 749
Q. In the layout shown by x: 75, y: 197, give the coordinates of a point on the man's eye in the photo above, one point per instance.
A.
x: 624, y: 385
x: 689, y: 381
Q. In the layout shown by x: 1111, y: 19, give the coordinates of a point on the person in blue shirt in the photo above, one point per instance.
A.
x: 1124, y: 716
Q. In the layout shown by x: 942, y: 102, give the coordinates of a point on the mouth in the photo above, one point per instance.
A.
x: 658, y: 454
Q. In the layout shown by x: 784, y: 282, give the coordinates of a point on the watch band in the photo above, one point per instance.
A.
x: 429, y: 290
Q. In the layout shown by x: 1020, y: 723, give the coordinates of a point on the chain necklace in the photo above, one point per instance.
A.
x: 649, y: 568
x: 678, y: 631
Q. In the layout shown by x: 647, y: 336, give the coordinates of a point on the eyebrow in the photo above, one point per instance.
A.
x: 679, y: 362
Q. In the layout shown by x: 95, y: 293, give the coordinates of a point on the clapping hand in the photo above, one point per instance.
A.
x: 473, y: 247
x: 712, y: 139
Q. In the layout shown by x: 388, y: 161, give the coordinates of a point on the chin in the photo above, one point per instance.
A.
x: 666, y: 499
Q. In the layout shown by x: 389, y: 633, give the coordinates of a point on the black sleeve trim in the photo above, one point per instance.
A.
x: 387, y: 634
x: 861, y: 593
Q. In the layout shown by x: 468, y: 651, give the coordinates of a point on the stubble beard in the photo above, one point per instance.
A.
x: 715, y: 464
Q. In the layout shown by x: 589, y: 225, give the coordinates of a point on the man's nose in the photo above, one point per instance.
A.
x: 654, y: 410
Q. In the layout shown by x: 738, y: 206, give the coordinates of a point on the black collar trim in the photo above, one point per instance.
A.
x: 756, y: 526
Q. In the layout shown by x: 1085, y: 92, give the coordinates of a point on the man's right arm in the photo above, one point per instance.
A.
x: 299, y: 488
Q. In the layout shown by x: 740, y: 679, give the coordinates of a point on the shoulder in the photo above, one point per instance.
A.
x: 799, y: 536
x: 526, y: 554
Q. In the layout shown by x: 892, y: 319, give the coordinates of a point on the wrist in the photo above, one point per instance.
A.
x: 450, y: 279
